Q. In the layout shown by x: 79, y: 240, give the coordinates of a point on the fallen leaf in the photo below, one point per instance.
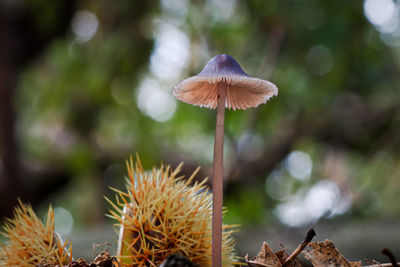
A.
x: 324, y: 254
x: 102, y: 260
x: 265, y: 258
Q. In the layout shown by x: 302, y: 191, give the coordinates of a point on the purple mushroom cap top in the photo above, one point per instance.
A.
x: 242, y: 91
x: 222, y: 65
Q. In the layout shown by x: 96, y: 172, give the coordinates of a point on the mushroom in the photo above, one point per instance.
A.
x: 222, y: 84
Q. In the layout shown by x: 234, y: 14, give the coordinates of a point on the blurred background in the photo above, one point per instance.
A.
x: 85, y: 84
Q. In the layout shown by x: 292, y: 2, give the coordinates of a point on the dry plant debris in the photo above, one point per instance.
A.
x: 283, y: 256
x: 29, y: 242
x: 325, y: 254
x: 161, y: 214
x: 102, y: 260
x: 387, y: 252
x: 266, y: 257
x: 309, y: 236
x: 321, y: 254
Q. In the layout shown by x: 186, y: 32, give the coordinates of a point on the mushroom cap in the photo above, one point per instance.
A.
x: 242, y: 91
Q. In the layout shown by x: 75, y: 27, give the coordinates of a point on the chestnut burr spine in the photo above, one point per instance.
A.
x: 161, y: 214
x: 218, y: 178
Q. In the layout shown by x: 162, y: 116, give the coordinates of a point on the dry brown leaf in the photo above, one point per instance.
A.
x: 324, y: 254
x: 102, y: 260
x: 265, y: 258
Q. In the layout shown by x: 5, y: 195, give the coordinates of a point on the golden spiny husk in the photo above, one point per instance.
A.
x: 31, y: 243
x: 161, y: 214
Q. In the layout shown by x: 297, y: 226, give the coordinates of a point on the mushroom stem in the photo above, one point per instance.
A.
x: 218, y: 178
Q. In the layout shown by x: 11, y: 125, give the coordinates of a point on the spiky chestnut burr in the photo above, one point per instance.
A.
x: 31, y: 243
x: 161, y: 214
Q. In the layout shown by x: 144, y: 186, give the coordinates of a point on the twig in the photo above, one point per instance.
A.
x: 372, y: 262
x: 107, y: 246
x: 382, y: 265
x: 390, y: 255
x: 309, y: 236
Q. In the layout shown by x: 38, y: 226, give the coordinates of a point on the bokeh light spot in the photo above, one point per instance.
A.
x: 84, y: 25
x: 299, y: 165
x: 171, y: 52
x: 305, y: 207
x: 383, y: 14
x: 63, y: 221
x: 278, y: 186
x: 155, y: 102
x: 221, y: 10
x: 177, y: 9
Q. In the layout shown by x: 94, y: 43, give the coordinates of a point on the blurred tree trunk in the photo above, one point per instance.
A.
x: 20, y: 42
x: 9, y: 176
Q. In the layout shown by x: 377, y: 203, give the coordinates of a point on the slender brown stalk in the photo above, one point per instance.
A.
x: 217, y: 181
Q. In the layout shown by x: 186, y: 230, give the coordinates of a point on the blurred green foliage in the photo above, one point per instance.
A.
x: 82, y: 104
